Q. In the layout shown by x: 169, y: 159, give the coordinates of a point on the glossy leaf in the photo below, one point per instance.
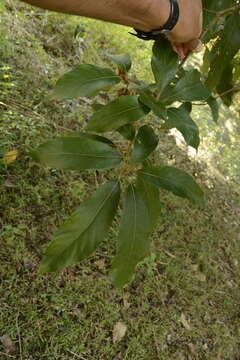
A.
x: 187, y: 106
x: 179, y: 118
x: 224, y: 49
x: 77, y: 153
x: 148, y: 99
x: 145, y: 143
x: 213, y: 104
x: 150, y: 194
x: 84, y: 80
x: 127, y: 131
x: 164, y: 63
x: 84, y: 230
x: 225, y: 85
x: 206, y: 62
x: 188, y: 88
x: 123, y: 110
x: 95, y: 137
x: 208, y: 17
x: 175, y: 180
x: 122, y: 61
x: 133, y: 241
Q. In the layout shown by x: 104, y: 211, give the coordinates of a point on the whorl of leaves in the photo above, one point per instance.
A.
x: 169, y: 100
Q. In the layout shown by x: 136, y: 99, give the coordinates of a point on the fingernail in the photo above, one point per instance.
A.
x: 199, y: 47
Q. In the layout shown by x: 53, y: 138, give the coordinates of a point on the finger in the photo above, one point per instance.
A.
x: 194, y: 45
x: 179, y: 49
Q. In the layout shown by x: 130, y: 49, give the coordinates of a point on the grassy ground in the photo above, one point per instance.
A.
x: 184, y: 300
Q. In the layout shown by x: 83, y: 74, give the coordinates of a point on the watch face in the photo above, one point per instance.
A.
x: 165, y: 32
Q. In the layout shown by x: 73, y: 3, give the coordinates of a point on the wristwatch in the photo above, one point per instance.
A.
x: 163, y: 31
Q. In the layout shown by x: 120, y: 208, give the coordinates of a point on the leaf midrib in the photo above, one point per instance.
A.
x: 115, y: 115
x: 134, y: 223
x: 179, y: 91
x: 162, y: 178
x: 183, y: 123
x: 99, y: 78
x: 86, y: 155
x: 92, y: 219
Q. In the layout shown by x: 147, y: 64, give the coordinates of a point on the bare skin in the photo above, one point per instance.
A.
x: 145, y: 15
x: 185, y: 35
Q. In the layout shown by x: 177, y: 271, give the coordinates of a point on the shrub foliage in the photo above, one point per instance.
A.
x: 137, y: 178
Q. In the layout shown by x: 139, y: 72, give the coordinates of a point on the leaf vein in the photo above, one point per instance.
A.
x: 100, y: 78
x: 162, y: 178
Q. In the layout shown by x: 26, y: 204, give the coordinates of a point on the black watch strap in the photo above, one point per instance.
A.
x: 166, y: 29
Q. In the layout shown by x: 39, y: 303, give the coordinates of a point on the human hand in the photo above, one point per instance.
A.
x: 185, y: 35
x: 183, y: 49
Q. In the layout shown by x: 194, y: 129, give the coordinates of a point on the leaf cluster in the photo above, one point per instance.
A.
x: 136, y: 177
x: 222, y: 33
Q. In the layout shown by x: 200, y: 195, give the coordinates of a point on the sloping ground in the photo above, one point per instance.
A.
x: 184, y: 300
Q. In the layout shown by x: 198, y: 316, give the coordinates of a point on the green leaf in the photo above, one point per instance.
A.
x: 206, y: 62
x: 123, y: 110
x: 84, y: 230
x: 213, y: 104
x: 188, y: 88
x: 208, y: 17
x: 133, y: 240
x: 164, y: 63
x: 84, y: 80
x: 95, y: 137
x: 122, y: 61
x: 77, y: 153
x: 97, y: 106
x: 225, y: 84
x: 150, y: 194
x: 147, y: 98
x: 127, y: 131
x: 180, y: 119
x: 175, y: 180
x: 224, y: 49
x: 145, y: 143
x: 187, y: 106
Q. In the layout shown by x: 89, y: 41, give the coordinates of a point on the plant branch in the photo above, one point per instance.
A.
x: 218, y: 14
x: 223, y: 12
x: 235, y: 89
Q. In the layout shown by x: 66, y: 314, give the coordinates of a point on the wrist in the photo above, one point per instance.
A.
x: 156, y: 15
x: 189, y: 25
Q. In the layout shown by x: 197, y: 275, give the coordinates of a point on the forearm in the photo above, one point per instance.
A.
x: 142, y: 14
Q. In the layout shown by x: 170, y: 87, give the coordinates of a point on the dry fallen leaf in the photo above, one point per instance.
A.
x: 119, y: 331
x: 10, y: 156
x: 8, y: 344
x: 219, y: 357
x: 184, y: 322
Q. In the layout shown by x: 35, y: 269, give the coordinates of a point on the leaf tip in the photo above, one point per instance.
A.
x: 43, y: 269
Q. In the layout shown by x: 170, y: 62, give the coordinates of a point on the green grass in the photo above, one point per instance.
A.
x: 194, y: 265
